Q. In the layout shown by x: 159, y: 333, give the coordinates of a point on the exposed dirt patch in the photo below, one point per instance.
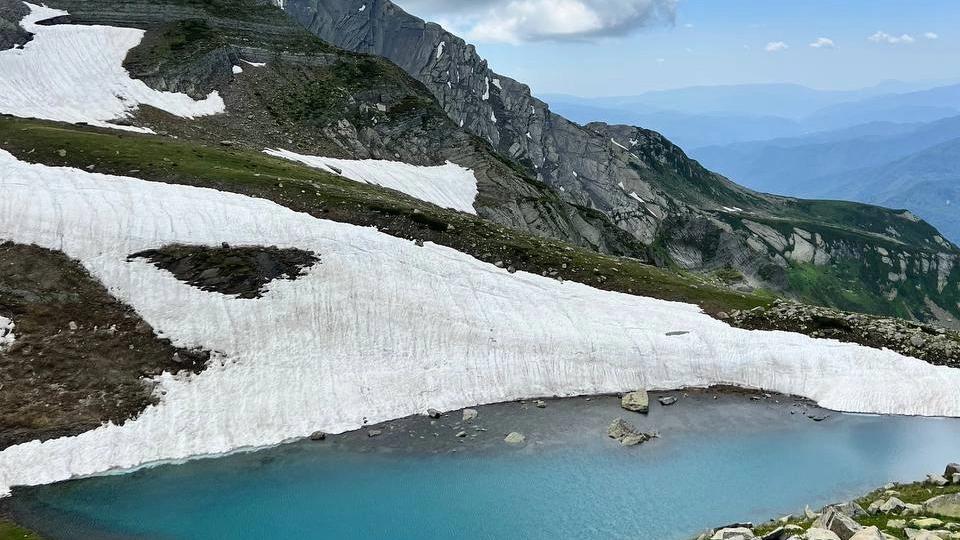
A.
x: 80, y: 356
x: 240, y: 271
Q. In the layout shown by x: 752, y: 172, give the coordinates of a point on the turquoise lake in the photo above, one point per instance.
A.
x: 719, y: 459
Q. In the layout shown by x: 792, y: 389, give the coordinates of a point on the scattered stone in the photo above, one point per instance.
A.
x: 541, y: 404
x: 733, y: 533
x: 637, y: 401
x: 62, y: 153
x: 892, y: 505
x: 469, y: 415
x: 850, y: 509
x: 318, y: 436
x: 462, y: 434
x: 667, y: 400
x: 515, y: 438
x: 896, y: 524
x: 433, y: 413
x: 72, y: 326
x: 374, y: 432
x: 810, y: 514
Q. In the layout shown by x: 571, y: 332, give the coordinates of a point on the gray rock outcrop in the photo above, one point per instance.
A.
x: 638, y: 401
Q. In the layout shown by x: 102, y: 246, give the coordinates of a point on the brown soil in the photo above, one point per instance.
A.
x: 80, y: 356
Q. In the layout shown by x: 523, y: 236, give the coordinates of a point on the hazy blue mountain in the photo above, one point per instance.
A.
x: 794, y: 166
x: 926, y: 183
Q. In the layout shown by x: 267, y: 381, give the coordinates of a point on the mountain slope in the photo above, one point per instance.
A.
x: 647, y: 185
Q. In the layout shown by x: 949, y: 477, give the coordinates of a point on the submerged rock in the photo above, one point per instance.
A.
x: 318, y: 436
x: 667, y: 400
x: 433, y: 413
x: 637, y: 401
x: 515, y: 438
x: 469, y: 415
x: 374, y: 433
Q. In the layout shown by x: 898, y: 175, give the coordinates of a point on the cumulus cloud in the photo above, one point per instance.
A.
x: 931, y: 35
x: 883, y: 37
x: 776, y: 46
x: 823, y: 43
x: 516, y: 21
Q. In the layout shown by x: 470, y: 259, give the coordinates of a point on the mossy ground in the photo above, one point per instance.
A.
x: 11, y: 531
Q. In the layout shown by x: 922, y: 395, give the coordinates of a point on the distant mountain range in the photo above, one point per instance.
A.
x: 914, y: 166
x: 705, y: 116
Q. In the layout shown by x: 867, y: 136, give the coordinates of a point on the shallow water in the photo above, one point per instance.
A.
x: 717, y: 461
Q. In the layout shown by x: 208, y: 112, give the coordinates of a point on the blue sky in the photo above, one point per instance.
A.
x: 621, y: 47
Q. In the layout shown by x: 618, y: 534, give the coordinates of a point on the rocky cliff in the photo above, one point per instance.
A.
x: 648, y: 187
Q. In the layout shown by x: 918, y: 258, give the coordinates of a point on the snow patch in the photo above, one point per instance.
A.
x: 237, y: 70
x: 74, y: 73
x: 633, y: 195
x: 496, y: 82
x: 254, y: 64
x: 447, y: 186
x: 732, y: 209
x: 619, y: 145
x: 6, y: 332
x: 362, y: 8
x: 384, y: 329
x: 440, y: 49
x: 486, y: 89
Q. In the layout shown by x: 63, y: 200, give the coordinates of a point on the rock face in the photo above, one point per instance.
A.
x: 644, y: 183
x: 11, y: 33
x: 637, y: 401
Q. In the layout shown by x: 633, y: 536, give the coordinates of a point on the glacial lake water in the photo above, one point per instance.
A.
x: 719, y: 460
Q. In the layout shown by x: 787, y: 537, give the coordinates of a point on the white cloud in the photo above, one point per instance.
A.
x: 517, y: 21
x: 931, y: 35
x: 688, y: 25
x: 823, y: 43
x: 776, y: 46
x: 883, y: 37
x: 661, y: 60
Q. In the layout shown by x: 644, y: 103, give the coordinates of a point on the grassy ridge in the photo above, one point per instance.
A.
x: 328, y: 196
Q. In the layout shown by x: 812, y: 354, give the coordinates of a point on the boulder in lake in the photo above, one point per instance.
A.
x: 318, y: 436
x: 667, y: 400
x: 636, y: 401
x: 628, y: 435
x: 944, y: 505
x: 515, y: 438
x: 469, y: 415
x: 433, y: 413
x: 374, y: 432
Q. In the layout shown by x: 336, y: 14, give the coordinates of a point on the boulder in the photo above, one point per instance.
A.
x: 912, y: 509
x: 624, y: 432
x: 896, y: 524
x: 782, y: 533
x: 944, y: 505
x: 868, y: 533
x: 433, y: 413
x: 515, y: 438
x: 636, y: 401
x: 469, y: 415
x: 733, y: 533
x: 667, y: 400
x: 874, y: 507
x: 816, y: 533
x: 955, y: 478
x: 850, y: 509
x: 839, y: 523
x: 923, y: 535
x: 374, y: 432
x: 318, y: 436
x: 892, y: 505
x: 952, y: 469
x: 926, y: 523
x: 937, y: 480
